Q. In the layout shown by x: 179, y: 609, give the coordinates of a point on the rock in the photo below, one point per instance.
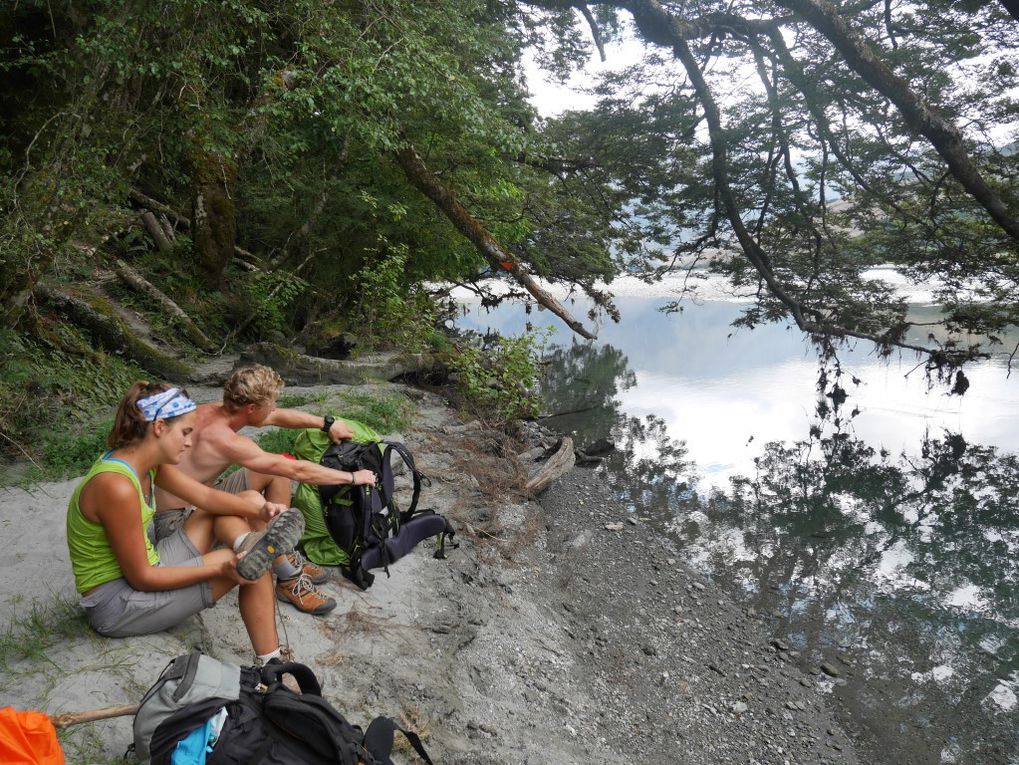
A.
x: 830, y: 669
x: 600, y: 448
x: 531, y: 455
x: 613, y: 527
x: 739, y: 707
x: 632, y: 521
x: 780, y: 644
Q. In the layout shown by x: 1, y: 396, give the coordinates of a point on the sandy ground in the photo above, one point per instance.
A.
x: 545, y: 638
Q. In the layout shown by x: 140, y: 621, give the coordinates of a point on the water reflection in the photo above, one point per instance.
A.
x: 905, y: 566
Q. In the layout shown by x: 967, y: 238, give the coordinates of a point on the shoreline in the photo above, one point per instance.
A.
x: 544, y: 638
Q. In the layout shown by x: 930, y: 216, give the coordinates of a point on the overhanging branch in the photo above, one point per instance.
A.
x: 425, y: 181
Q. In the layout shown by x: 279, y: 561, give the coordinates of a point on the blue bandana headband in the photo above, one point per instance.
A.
x: 163, y: 406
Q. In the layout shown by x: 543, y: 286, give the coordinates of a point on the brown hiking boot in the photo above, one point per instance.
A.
x: 304, y: 596
x: 316, y: 573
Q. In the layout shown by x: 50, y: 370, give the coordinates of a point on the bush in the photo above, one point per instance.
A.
x: 501, y: 380
x: 391, y: 313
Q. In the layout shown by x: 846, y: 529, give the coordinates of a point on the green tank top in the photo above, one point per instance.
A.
x: 92, y: 558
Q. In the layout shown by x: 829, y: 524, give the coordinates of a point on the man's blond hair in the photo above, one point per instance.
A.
x: 258, y: 385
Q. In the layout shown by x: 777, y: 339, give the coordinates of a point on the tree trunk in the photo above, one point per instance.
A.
x: 107, y: 329
x: 423, y: 179
x: 213, y: 215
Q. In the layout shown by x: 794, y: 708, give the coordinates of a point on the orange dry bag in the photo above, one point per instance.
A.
x: 28, y: 738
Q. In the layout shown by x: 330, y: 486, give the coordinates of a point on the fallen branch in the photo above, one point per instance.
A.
x: 138, y: 282
x: 425, y: 181
x: 76, y: 718
x: 182, y: 220
x: 156, y: 232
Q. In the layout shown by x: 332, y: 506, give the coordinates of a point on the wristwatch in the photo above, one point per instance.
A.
x: 327, y: 423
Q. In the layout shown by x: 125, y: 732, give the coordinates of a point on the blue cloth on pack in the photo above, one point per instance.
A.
x: 191, y: 749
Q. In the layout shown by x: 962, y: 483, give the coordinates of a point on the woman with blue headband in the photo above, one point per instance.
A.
x: 130, y: 586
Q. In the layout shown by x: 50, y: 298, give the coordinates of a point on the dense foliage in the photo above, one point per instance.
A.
x: 290, y: 170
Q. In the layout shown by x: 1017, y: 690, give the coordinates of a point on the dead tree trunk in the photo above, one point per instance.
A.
x: 157, y: 233
x: 109, y: 331
x: 423, y: 179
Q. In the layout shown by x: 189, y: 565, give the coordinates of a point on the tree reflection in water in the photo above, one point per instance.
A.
x: 907, y: 564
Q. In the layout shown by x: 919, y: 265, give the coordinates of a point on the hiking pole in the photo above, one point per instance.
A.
x: 76, y: 718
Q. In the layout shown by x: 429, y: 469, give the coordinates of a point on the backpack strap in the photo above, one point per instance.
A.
x: 185, y: 671
x: 378, y: 740
x: 419, y: 477
x: 305, y: 677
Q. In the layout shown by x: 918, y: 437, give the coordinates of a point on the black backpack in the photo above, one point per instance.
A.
x: 365, y: 521
x: 266, y: 723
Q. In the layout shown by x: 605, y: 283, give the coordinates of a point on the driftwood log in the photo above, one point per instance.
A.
x: 559, y: 463
x: 299, y: 369
x: 174, y: 311
x: 76, y: 718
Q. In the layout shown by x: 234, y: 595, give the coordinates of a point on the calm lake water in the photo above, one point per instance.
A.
x: 882, y: 538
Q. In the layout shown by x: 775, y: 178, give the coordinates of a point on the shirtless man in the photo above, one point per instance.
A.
x: 249, y: 398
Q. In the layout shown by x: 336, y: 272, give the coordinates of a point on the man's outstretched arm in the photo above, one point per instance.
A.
x: 294, y: 418
x: 242, y: 451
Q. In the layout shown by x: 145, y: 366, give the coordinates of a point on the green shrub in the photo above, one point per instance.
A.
x: 501, y: 381
x: 291, y: 400
x: 49, y: 396
x: 393, y: 314
x: 279, y: 440
x: 65, y: 455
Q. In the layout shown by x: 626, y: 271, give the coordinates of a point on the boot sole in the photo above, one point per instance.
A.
x: 325, y: 608
x: 281, y: 536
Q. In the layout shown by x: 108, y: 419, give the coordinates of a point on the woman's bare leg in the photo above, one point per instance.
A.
x: 257, y: 603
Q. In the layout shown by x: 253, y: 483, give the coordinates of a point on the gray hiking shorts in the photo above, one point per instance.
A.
x: 115, y: 609
x: 166, y: 522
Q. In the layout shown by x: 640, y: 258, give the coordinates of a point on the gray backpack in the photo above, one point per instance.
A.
x: 186, y: 679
